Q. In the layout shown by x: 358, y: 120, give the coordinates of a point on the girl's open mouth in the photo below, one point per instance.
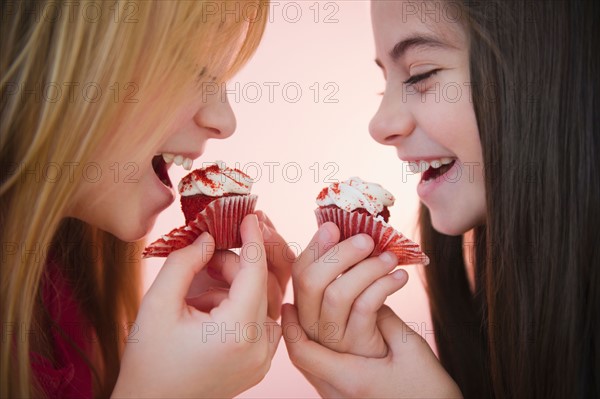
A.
x: 160, y: 168
x: 433, y: 173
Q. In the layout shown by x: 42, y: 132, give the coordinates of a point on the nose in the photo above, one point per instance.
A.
x: 392, y: 122
x: 216, y: 116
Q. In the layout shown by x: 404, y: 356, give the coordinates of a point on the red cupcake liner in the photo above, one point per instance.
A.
x: 221, y: 218
x: 386, y: 238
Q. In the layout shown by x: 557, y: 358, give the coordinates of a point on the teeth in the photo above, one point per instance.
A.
x: 187, y: 164
x: 418, y: 167
x: 422, y: 166
x: 178, y: 160
x: 413, y: 167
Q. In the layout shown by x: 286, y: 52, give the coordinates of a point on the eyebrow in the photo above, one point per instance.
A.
x: 412, y: 42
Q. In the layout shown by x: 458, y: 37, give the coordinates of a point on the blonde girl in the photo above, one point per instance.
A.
x: 91, y: 93
x: 510, y: 224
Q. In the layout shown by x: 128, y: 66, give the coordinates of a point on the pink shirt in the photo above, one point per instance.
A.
x: 69, y: 375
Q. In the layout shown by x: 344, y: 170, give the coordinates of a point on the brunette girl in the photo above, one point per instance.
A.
x: 93, y: 93
x: 510, y: 225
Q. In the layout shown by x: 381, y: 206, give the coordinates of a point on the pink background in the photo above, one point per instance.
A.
x: 312, y: 139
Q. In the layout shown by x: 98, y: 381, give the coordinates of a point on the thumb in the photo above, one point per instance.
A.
x: 398, y: 336
x: 309, y: 356
x: 174, y: 279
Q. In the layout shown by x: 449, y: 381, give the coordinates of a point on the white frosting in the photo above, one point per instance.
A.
x: 356, y: 193
x: 215, y: 183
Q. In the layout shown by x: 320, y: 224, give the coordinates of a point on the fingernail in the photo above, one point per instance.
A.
x: 360, y: 242
x: 399, y: 274
x: 388, y: 258
x: 260, y: 216
x: 324, y: 234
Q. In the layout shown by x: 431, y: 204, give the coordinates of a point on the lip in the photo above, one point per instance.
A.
x: 191, y: 155
x: 426, y: 158
x: 168, y: 193
x: 425, y: 189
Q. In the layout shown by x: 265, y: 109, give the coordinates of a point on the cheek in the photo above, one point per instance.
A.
x: 454, y: 126
x: 460, y: 112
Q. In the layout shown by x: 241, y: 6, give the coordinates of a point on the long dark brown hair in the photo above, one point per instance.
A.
x: 530, y: 329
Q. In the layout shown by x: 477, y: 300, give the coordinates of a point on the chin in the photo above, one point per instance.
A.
x: 132, y: 232
x: 453, y: 226
x: 448, y: 229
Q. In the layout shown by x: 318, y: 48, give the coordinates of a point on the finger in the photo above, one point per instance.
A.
x: 398, y: 336
x: 309, y: 355
x: 279, y: 254
x: 273, y: 334
x: 340, y: 295
x: 364, y: 314
x: 311, y: 283
x: 202, y: 281
x: 207, y: 301
x: 326, y: 237
x: 248, y: 291
x: 224, y: 266
x: 263, y: 218
x: 173, y: 281
x: 215, y: 274
x: 274, y: 296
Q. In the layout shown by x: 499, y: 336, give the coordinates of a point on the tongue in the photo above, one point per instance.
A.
x: 160, y: 168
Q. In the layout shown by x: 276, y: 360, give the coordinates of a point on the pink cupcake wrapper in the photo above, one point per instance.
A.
x: 221, y: 218
x: 386, y: 238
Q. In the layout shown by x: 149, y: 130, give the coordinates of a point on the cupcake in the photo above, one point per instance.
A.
x: 214, y: 199
x: 356, y: 206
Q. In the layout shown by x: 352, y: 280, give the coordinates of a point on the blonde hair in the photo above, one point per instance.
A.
x: 60, y: 62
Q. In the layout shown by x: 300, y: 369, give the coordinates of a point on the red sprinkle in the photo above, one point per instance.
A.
x: 201, y: 175
x: 323, y: 194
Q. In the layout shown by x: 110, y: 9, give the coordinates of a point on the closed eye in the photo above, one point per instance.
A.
x: 422, y: 76
x: 417, y: 78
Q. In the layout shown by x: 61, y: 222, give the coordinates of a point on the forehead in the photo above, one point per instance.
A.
x: 395, y: 20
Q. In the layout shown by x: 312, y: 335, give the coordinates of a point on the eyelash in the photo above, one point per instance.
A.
x: 417, y: 78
